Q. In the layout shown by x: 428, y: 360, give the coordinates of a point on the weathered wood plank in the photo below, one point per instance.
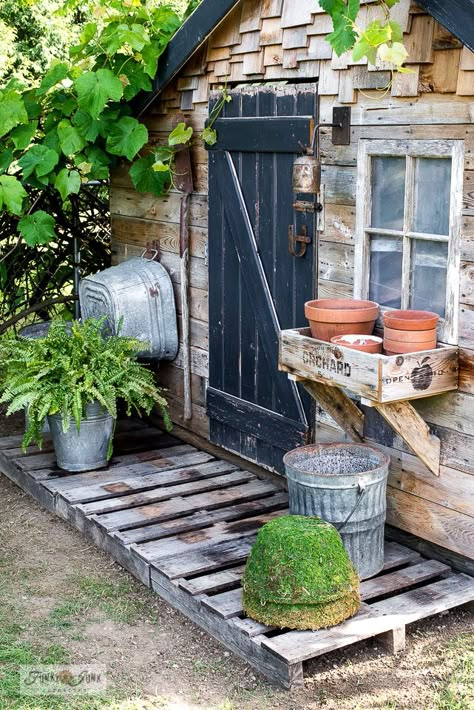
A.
x: 229, y: 604
x: 125, y: 491
x: 154, y: 552
x: 216, y: 582
x: 430, y: 521
x: 141, y: 508
x: 200, y: 520
x: 109, y: 476
x: 406, y: 421
x: 341, y: 408
x: 375, y: 377
x: 204, y: 561
x: 377, y: 618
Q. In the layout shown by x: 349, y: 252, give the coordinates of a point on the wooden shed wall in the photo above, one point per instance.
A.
x: 283, y: 41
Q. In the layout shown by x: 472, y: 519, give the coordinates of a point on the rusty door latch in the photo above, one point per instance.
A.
x: 294, y: 239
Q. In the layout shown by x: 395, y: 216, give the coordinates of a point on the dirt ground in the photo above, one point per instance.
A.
x: 62, y: 600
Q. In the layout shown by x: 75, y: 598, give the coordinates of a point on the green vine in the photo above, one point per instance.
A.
x: 76, y: 123
x: 381, y: 40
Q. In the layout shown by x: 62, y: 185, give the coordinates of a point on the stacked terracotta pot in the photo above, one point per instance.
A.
x: 409, y: 331
x: 345, y: 321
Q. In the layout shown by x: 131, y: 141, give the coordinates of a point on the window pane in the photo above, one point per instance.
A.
x: 432, y: 195
x: 386, y: 271
x: 388, y: 192
x: 428, y: 276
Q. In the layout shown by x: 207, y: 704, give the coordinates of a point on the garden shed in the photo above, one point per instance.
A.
x: 392, y: 221
x: 414, y: 136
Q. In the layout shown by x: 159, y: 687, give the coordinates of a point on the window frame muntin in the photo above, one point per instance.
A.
x: 411, y: 150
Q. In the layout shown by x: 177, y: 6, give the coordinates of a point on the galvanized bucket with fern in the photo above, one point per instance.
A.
x: 74, y: 376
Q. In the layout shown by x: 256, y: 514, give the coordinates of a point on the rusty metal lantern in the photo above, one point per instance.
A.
x: 307, y: 168
x: 307, y: 174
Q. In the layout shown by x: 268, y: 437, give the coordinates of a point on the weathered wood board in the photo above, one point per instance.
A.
x: 378, y: 378
x: 185, y: 527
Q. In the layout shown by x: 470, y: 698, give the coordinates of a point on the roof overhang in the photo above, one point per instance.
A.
x: 456, y: 15
x: 193, y: 33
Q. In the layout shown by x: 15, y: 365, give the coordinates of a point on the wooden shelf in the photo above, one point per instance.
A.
x: 386, y: 383
x: 378, y: 378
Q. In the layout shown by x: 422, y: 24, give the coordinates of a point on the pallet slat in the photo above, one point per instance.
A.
x: 137, y: 516
x: 203, y: 519
x: 298, y: 646
x: 190, y: 521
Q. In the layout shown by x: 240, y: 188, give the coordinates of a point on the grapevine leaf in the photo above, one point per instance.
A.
x: 126, y: 137
x: 333, y: 7
x: 70, y: 139
x: 99, y: 162
x: 209, y: 136
x: 51, y: 140
x: 6, y: 158
x: 150, y: 54
x: 37, y: 228
x: 397, y: 32
x: 146, y: 179
x: 395, y: 54
x: 67, y: 182
x: 353, y: 7
x: 38, y: 159
x: 377, y: 33
x: 343, y: 36
x: 88, y: 33
x: 12, y: 194
x: 391, y: 3
x: 95, y: 89
x: 12, y: 111
x: 180, y: 135
x: 22, y: 135
x: 136, y: 36
x: 137, y: 79
x: 58, y: 72
x: 32, y: 105
x: 160, y: 167
x: 87, y: 126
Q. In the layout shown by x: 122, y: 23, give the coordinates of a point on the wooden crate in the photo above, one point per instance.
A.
x: 378, y: 378
x: 183, y: 522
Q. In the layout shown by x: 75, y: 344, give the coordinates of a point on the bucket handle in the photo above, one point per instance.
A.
x: 361, y: 489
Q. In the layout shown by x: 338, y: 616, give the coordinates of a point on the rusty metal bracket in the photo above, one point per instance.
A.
x: 294, y: 239
x: 305, y: 206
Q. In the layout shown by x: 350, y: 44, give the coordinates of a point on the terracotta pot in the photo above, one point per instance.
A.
x: 397, y: 348
x: 329, y: 317
x: 410, y: 320
x: 364, y: 343
x: 410, y: 336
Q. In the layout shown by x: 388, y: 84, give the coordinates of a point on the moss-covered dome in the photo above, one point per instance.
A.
x: 299, y: 576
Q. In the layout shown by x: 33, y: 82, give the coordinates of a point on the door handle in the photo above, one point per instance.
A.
x: 294, y: 239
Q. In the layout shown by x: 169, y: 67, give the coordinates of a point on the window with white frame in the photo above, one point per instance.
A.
x: 409, y: 202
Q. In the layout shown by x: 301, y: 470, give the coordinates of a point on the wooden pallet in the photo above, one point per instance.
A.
x: 183, y: 522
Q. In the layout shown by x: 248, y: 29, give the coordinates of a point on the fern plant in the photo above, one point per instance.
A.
x: 74, y: 365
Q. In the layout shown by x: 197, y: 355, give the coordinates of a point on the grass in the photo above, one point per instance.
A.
x: 457, y: 691
x: 25, y: 643
x: 118, y: 602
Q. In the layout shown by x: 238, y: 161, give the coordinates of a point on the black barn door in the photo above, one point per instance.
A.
x: 256, y: 286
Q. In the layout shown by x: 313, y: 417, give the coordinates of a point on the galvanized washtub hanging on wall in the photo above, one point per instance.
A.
x: 141, y: 293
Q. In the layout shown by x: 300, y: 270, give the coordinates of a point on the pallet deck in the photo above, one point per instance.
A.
x: 183, y: 522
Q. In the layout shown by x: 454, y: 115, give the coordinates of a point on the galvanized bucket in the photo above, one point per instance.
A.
x: 137, y: 293
x: 87, y: 449
x: 346, y: 485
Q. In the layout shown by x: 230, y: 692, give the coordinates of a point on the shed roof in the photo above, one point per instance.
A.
x: 458, y: 19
